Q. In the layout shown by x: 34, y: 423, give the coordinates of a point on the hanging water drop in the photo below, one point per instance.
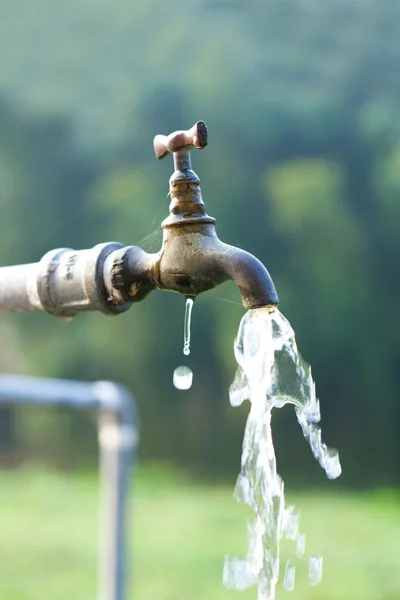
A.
x: 186, y: 326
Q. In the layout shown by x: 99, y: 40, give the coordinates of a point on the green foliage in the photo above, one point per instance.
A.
x: 301, y: 99
x: 179, y: 534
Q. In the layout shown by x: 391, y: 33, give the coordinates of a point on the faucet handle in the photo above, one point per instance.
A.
x: 179, y: 141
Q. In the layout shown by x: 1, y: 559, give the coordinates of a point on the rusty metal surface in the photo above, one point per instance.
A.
x: 195, y: 137
x: 110, y: 277
x: 192, y: 259
x: 63, y: 283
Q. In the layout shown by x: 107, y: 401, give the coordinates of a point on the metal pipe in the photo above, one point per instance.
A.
x: 118, y: 439
x: 18, y: 290
x: 110, y: 277
x: 118, y: 436
x: 64, y: 283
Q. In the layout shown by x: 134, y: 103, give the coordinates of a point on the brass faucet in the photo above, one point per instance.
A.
x: 110, y: 277
x: 192, y: 259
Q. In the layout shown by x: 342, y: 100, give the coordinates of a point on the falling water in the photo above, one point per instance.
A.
x: 183, y: 376
x: 186, y: 326
x: 271, y: 373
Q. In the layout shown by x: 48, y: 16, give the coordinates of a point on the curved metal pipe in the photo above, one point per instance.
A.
x: 251, y: 277
x: 118, y: 440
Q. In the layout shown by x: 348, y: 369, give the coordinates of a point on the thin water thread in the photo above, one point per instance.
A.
x: 186, y: 326
x: 183, y: 375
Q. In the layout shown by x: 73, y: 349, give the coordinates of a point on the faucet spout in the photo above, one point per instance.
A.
x: 251, y: 277
x: 193, y: 260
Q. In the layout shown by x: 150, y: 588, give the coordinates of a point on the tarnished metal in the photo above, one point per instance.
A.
x: 70, y: 281
x: 181, y: 141
x: 110, y: 277
x: 64, y: 283
x: 192, y: 259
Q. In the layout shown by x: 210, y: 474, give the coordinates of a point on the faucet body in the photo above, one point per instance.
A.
x: 192, y: 259
x: 111, y: 277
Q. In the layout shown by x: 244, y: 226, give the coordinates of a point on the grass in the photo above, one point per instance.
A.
x: 181, y: 533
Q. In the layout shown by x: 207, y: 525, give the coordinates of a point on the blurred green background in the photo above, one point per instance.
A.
x: 180, y: 531
x: 301, y: 99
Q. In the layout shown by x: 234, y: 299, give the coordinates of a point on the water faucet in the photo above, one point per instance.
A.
x: 110, y: 277
x: 192, y: 259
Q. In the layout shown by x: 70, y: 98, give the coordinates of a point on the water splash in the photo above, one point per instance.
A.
x: 288, y: 579
x: 186, y: 326
x: 270, y: 374
x: 315, y: 570
x: 300, y: 545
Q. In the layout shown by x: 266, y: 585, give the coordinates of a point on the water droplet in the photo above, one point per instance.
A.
x: 186, y: 326
x: 288, y: 579
x: 301, y: 545
x: 183, y: 378
x: 237, y: 574
x: 291, y: 523
x: 315, y: 570
x: 332, y: 464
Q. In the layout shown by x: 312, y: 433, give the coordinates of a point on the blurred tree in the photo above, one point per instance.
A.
x: 301, y: 99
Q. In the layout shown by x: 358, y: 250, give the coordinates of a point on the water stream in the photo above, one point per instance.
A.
x: 270, y: 374
x: 186, y: 326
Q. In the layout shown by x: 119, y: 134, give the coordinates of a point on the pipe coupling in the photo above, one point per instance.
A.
x: 70, y: 281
